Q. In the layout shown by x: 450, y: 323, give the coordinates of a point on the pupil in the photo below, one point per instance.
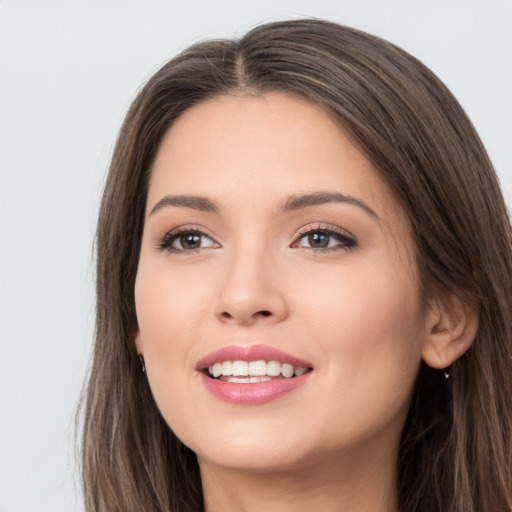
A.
x: 190, y: 241
x: 318, y: 240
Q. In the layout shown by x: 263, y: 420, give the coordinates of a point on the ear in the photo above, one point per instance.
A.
x: 452, y: 325
x: 138, y: 343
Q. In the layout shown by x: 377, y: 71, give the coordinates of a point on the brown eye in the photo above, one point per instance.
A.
x: 189, y: 241
x: 318, y: 240
x: 185, y: 241
x: 325, y: 239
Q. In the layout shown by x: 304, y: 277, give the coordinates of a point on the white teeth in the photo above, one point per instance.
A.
x: 263, y: 378
x: 246, y: 380
x: 217, y: 369
x: 239, y: 380
x: 227, y: 368
x: 254, y: 371
x: 240, y: 368
x: 287, y: 370
x: 257, y: 368
x: 273, y: 368
x: 300, y: 371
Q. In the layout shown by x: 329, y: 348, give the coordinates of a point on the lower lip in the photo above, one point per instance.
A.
x: 252, y: 394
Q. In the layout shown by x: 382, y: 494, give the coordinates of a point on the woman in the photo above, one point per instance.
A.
x: 303, y: 288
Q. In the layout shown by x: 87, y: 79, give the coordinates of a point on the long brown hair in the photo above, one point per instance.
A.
x: 456, y: 447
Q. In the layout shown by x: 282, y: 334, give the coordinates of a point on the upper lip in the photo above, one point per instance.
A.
x: 250, y: 353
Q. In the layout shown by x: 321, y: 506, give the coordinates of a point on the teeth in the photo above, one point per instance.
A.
x: 246, y: 380
x: 227, y: 368
x: 287, y: 370
x: 257, y: 368
x: 300, y: 371
x: 217, y: 369
x: 240, y: 368
x: 273, y: 368
x: 254, y: 371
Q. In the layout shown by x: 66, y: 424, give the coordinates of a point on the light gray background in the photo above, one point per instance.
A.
x: 68, y: 72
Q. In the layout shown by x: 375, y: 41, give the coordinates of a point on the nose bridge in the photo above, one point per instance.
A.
x: 250, y: 290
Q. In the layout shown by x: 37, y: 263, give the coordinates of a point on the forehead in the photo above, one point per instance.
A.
x: 261, y: 149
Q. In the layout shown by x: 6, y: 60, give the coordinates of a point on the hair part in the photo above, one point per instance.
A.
x: 456, y: 447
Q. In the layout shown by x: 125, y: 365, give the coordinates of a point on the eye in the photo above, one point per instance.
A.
x: 185, y: 241
x: 324, y: 239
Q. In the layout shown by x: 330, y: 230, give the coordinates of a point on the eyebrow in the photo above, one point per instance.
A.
x: 292, y: 203
x: 202, y: 204
x: 317, y: 198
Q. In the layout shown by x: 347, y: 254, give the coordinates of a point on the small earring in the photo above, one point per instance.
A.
x: 143, y: 365
x: 446, y: 374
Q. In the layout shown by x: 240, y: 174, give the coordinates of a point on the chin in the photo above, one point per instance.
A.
x: 257, y: 447
x: 253, y: 458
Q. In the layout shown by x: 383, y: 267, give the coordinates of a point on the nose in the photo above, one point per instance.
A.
x: 251, y: 291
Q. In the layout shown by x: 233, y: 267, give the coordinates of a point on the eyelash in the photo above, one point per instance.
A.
x: 165, y: 243
x: 346, y: 241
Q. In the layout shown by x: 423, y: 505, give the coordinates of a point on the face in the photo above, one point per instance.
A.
x: 269, y: 239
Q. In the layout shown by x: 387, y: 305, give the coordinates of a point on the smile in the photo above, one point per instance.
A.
x: 250, y: 372
x: 253, y: 374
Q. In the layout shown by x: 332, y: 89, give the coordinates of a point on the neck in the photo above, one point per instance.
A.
x: 355, y: 484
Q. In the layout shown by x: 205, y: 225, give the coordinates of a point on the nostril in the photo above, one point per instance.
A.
x: 246, y: 318
x: 263, y: 313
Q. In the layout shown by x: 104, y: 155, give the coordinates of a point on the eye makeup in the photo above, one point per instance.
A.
x: 185, y: 240
x: 324, y: 238
x: 317, y: 238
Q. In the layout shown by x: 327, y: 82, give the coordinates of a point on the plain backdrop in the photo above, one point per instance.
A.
x: 69, y: 70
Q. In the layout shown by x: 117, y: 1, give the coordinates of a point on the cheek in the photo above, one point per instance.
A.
x: 369, y: 324
x: 368, y: 329
x: 169, y: 305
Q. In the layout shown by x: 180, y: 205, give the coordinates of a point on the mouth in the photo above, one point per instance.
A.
x: 252, y: 372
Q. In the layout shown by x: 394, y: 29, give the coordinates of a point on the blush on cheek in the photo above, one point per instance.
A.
x: 372, y: 325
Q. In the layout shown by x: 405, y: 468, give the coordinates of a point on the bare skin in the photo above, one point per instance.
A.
x: 322, y: 486
x: 266, y: 226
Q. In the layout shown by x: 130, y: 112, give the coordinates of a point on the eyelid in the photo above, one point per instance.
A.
x: 164, y: 241
x: 347, y: 240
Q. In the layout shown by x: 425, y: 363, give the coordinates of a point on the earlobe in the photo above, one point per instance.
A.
x: 452, y: 328
x: 138, y: 343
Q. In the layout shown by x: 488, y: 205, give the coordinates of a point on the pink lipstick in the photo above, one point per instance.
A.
x: 252, y: 375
